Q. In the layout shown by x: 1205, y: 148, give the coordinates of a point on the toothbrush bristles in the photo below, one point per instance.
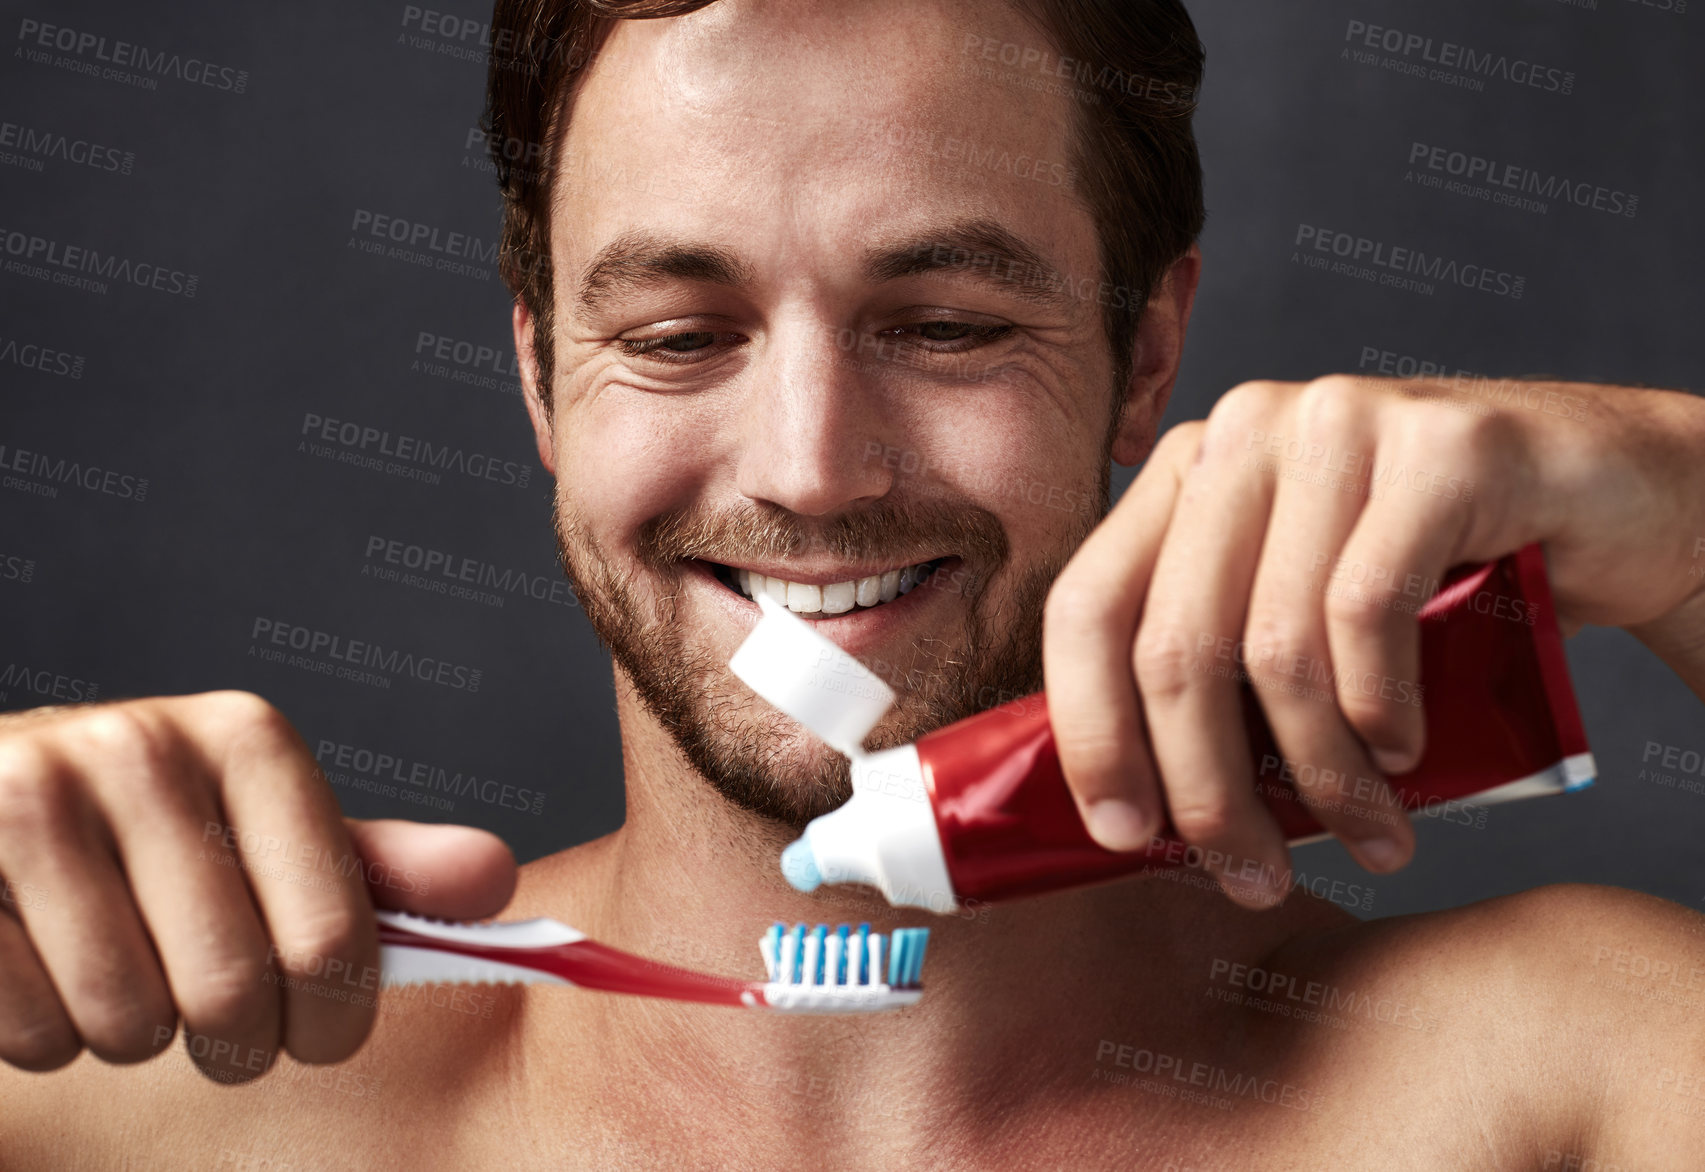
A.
x: 845, y: 958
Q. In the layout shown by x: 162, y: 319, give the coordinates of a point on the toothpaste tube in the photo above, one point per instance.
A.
x: 978, y: 811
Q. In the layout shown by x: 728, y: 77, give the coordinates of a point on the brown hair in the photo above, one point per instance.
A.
x: 1134, y: 66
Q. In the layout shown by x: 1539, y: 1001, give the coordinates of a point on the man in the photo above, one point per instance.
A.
x: 820, y: 346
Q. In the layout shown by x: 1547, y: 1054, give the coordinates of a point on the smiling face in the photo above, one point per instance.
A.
x: 817, y: 333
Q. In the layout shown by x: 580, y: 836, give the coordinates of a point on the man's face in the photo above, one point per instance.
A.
x: 803, y: 332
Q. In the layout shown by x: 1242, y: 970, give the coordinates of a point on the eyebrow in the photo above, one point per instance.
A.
x: 637, y: 259
x: 978, y: 248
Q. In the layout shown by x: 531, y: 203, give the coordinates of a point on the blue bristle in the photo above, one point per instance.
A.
x: 922, y: 942
x: 904, y: 946
x: 906, y: 957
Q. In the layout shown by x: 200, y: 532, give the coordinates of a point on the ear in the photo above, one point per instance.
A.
x: 528, y: 359
x: 1155, y: 357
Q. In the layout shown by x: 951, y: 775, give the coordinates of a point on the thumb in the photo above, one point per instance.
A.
x: 448, y: 872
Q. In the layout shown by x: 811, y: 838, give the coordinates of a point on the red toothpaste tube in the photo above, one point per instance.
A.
x: 978, y: 811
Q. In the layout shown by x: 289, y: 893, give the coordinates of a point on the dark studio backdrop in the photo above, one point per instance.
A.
x: 170, y: 503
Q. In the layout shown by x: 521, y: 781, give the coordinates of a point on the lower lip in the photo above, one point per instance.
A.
x: 854, y: 631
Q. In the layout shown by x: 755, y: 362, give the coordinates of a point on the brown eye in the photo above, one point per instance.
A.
x: 687, y: 346
x: 673, y: 343
x: 946, y: 331
x: 686, y: 343
x: 946, y: 336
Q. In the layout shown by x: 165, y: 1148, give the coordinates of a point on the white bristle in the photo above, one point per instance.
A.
x: 772, y: 962
x: 805, y: 976
x: 832, y: 960
x: 811, y: 947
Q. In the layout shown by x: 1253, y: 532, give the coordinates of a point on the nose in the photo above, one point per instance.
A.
x: 814, y: 435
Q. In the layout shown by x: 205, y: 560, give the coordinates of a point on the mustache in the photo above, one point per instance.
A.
x: 885, y: 531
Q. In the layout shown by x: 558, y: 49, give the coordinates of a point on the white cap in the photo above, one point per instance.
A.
x: 811, y: 679
x: 885, y: 835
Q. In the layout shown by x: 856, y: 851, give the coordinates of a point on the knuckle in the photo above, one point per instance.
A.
x: 1073, y: 604
x: 1361, y: 617
x: 128, y: 1033
x: 1274, y: 641
x: 33, y: 797
x: 128, y: 735
x: 334, y: 934
x: 1096, y: 763
x: 252, y: 725
x: 1246, y: 407
x: 1374, y: 717
x: 228, y: 996
x: 1204, y: 818
x: 1164, y: 662
x: 40, y: 1043
x: 1329, y: 406
x: 1469, y: 441
x: 1180, y: 441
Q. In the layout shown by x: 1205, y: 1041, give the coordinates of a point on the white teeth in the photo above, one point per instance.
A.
x: 806, y: 599
x: 836, y: 597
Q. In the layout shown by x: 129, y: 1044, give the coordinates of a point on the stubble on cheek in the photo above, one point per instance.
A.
x: 755, y: 757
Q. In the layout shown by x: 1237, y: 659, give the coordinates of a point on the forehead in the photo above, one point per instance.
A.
x: 793, y: 126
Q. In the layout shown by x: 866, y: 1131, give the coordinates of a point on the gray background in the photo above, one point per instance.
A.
x: 256, y: 193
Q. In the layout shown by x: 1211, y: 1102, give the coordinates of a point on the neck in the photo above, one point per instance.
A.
x: 692, y: 880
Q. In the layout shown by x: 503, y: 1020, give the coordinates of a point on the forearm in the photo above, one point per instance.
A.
x: 1679, y: 640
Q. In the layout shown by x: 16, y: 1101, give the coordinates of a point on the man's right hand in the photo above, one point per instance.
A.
x: 184, y: 858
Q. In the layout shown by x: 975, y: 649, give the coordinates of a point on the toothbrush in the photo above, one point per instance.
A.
x: 809, y: 971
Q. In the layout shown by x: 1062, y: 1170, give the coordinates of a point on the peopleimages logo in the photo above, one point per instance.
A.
x: 342, y: 655
x: 49, y: 144
x: 32, y: 356
x: 421, y: 244
x: 51, y: 260
x: 1449, y: 56
x: 125, y: 56
x: 416, y: 780
x: 1411, y: 262
x: 382, y: 450
x: 1509, y: 178
x: 47, y: 684
x: 48, y: 472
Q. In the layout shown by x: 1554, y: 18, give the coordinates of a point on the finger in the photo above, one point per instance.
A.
x: 1315, y: 508
x: 1189, y: 657
x: 89, y: 938
x: 35, y: 1032
x: 307, y: 880
x: 451, y: 872
x: 155, y: 795
x: 1088, y: 628
x: 1409, y: 535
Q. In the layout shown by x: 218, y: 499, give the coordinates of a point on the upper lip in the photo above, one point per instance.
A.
x: 809, y: 576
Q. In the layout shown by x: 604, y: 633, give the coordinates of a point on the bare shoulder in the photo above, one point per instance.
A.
x: 1564, y: 1023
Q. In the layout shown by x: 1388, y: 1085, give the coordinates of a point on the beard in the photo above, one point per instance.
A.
x: 757, y: 758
